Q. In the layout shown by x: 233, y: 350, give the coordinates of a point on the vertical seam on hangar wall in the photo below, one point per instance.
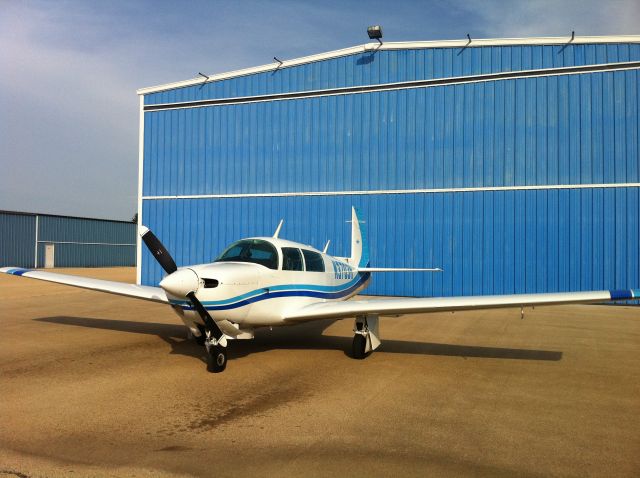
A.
x: 35, y: 254
x: 140, y: 183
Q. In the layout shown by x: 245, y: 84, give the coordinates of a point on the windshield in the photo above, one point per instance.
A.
x: 251, y: 250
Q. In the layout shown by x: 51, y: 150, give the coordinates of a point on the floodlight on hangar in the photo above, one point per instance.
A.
x: 375, y: 32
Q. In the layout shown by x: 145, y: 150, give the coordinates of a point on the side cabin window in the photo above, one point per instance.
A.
x: 251, y: 250
x: 313, y: 261
x: 291, y: 259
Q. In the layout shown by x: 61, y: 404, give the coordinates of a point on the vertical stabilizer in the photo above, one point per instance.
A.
x: 359, y: 242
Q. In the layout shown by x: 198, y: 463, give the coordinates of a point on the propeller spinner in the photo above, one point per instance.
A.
x: 181, y: 282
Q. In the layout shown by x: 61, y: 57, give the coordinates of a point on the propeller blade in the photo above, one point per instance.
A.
x: 208, y: 320
x: 168, y: 264
x: 158, y: 250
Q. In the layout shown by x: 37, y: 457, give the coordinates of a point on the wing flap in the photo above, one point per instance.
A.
x: 403, y: 306
x: 155, y: 294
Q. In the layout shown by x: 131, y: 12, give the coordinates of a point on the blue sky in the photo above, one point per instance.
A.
x: 69, y: 71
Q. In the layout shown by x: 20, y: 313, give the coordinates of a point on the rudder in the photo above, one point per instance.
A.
x: 359, y: 241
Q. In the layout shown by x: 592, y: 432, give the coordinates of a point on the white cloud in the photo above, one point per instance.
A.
x: 519, y: 19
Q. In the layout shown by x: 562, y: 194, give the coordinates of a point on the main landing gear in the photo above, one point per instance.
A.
x: 366, y: 338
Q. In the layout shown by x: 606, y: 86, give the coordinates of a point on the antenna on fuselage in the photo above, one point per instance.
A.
x: 275, y: 234
x: 326, y: 246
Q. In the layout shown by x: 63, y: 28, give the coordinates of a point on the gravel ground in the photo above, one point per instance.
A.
x: 97, y: 385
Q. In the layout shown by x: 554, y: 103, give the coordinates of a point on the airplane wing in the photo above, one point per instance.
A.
x: 155, y: 294
x: 402, y: 306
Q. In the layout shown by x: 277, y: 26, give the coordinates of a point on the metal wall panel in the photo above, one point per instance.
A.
x: 487, y: 242
x: 534, y: 131
x: 388, y: 66
x: 17, y: 236
x: 75, y: 239
x: 89, y: 255
x: 73, y: 229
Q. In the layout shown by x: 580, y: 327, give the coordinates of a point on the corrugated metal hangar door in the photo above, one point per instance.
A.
x: 514, y: 167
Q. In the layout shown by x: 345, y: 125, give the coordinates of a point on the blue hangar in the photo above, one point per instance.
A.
x: 513, y: 164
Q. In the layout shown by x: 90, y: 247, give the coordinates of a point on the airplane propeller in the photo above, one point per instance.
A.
x: 158, y: 250
x: 165, y: 260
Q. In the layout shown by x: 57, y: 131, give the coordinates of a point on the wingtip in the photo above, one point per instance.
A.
x: 14, y: 271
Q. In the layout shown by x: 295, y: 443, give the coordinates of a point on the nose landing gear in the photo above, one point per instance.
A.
x: 216, y: 353
x: 216, y: 359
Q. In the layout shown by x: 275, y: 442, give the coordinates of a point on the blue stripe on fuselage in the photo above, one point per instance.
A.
x: 293, y: 290
x: 278, y: 288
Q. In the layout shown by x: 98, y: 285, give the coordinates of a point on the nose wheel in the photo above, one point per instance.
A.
x: 216, y: 358
x: 216, y: 352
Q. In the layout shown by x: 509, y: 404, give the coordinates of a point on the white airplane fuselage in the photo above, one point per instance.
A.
x: 253, y: 295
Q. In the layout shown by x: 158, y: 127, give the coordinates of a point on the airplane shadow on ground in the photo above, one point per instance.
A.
x: 298, y: 337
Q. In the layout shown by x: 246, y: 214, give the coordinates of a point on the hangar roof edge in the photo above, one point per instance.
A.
x: 24, y: 213
x: 393, y: 46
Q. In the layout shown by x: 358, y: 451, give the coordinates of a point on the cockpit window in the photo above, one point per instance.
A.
x: 313, y: 260
x: 291, y: 259
x: 251, y: 250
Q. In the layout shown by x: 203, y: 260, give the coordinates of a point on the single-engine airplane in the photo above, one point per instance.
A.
x: 268, y: 281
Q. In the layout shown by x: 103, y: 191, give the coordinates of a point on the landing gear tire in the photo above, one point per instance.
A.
x: 358, y: 347
x: 216, y: 359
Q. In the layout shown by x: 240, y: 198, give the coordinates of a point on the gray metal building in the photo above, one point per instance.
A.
x: 45, y: 240
x: 513, y: 164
